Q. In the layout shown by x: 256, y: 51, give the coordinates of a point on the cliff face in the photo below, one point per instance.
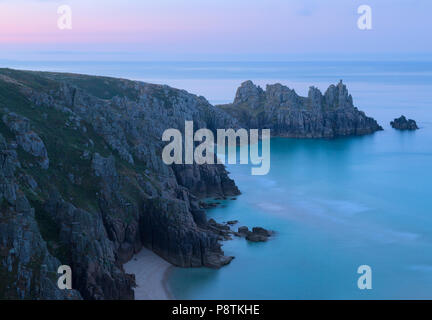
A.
x: 27, y: 269
x: 289, y: 115
x: 83, y: 183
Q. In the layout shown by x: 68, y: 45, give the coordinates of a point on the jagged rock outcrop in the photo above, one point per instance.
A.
x: 170, y: 231
x: 206, y: 180
x: 92, y: 254
x: 27, y: 138
x: 402, y: 123
x: 106, y: 191
x: 289, y: 115
x: 27, y: 269
x: 257, y: 234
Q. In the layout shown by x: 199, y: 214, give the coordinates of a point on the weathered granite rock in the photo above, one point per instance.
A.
x: 262, y: 231
x: 92, y: 254
x: 254, y: 237
x: 27, y: 269
x: 289, y: 115
x: 221, y: 230
x: 169, y: 230
x: 243, y: 230
x: 257, y: 234
x: 27, y: 138
x: 402, y: 123
x: 232, y: 222
x: 206, y: 180
x: 106, y: 192
x: 208, y: 205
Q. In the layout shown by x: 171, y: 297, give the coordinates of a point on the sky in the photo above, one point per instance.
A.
x: 214, y: 29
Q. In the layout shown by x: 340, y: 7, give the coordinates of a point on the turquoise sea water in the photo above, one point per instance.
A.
x: 335, y: 204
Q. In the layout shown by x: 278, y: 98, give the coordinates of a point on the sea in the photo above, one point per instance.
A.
x: 335, y: 205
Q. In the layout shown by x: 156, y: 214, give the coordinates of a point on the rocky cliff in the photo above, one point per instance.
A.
x: 287, y: 114
x: 83, y: 183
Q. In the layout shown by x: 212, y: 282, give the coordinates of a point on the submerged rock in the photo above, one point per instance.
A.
x: 257, y: 234
x: 402, y: 123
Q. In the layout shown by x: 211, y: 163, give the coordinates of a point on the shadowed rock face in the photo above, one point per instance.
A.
x: 27, y: 269
x: 26, y: 138
x: 289, y: 115
x: 402, y: 123
x: 83, y: 175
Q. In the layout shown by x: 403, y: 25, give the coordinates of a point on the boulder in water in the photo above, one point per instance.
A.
x: 402, y: 123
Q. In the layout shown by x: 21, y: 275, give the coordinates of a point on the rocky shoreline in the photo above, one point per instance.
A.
x: 82, y: 181
x: 82, y: 162
x: 225, y: 230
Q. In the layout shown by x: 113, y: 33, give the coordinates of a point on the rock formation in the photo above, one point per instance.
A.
x: 27, y: 269
x: 257, y: 234
x: 289, y: 115
x: 83, y: 183
x: 27, y: 139
x: 402, y: 123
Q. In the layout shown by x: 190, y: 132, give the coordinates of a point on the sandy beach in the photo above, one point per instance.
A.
x: 150, y: 273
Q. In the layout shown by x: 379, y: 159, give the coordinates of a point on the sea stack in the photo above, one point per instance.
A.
x: 402, y: 123
x: 287, y: 114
